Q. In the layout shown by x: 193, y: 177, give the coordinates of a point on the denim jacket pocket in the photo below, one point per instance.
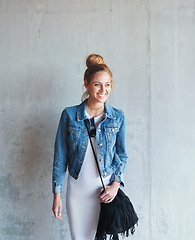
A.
x: 110, y: 133
x: 74, y: 135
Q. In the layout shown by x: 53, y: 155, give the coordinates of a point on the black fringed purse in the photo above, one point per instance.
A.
x: 116, y: 217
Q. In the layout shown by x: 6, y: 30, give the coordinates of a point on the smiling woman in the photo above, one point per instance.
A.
x: 95, y: 64
x: 99, y: 89
x: 74, y: 151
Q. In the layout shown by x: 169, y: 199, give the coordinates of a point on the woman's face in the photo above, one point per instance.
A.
x: 99, y: 87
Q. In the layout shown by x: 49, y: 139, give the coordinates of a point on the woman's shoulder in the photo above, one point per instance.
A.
x: 118, y: 112
x: 70, y: 109
x: 73, y: 110
x: 115, y: 115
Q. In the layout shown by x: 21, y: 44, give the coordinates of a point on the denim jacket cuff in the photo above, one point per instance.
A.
x: 57, y: 189
x: 118, y: 178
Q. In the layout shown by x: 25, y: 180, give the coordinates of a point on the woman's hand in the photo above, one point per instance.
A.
x: 110, y: 193
x: 57, y: 206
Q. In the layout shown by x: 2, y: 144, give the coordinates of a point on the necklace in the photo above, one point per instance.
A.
x: 95, y: 108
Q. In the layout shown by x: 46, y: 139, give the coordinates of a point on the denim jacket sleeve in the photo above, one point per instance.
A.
x: 121, y: 151
x: 60, y: 155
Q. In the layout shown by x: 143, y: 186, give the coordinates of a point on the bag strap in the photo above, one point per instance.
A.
x: 96, y: 160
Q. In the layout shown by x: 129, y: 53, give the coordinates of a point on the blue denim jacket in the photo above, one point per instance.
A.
x: 72, y: 141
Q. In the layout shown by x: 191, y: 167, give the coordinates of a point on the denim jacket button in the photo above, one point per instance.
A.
x: 100, y: 144
x: 101, y: 159
x: 99, y: 130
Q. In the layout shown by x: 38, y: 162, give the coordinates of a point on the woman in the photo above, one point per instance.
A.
x: 73, y: 151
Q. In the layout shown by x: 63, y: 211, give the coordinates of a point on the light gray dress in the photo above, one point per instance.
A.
x: 82, y: 204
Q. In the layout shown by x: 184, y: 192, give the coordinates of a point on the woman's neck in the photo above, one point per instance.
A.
x: 94, y: 110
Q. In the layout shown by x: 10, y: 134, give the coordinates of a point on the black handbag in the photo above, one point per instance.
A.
x: 116, y: 217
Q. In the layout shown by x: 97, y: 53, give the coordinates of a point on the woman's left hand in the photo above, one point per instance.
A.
x: 110, y: 193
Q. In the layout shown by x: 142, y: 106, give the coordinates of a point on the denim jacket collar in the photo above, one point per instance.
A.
x: 108, y: 113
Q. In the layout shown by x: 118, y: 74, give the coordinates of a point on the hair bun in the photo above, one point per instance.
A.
x: 94, y: 59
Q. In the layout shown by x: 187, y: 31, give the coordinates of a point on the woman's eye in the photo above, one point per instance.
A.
x: 99, y: 85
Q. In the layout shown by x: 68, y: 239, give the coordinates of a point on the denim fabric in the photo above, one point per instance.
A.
x: 72, y: 141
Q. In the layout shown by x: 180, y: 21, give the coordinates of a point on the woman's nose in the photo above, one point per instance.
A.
x: 102, y: 88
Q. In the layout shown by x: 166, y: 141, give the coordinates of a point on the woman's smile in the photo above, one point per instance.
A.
x: 101, y: 95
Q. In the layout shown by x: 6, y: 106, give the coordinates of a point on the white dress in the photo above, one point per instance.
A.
x: 82, y: 204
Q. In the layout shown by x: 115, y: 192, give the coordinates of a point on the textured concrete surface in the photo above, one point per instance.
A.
x: 149, y: 45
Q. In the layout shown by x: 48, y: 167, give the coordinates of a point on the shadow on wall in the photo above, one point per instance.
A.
x: 25, y: 182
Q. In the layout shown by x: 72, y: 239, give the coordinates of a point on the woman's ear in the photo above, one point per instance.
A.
x: 86, y: 84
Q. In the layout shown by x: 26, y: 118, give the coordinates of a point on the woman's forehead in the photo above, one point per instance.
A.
x: 101, y: 77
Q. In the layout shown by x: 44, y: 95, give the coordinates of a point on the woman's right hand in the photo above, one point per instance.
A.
x: 57, y: 206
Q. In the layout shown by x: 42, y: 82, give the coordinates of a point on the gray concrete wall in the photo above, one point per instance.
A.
x: 150, y: 47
